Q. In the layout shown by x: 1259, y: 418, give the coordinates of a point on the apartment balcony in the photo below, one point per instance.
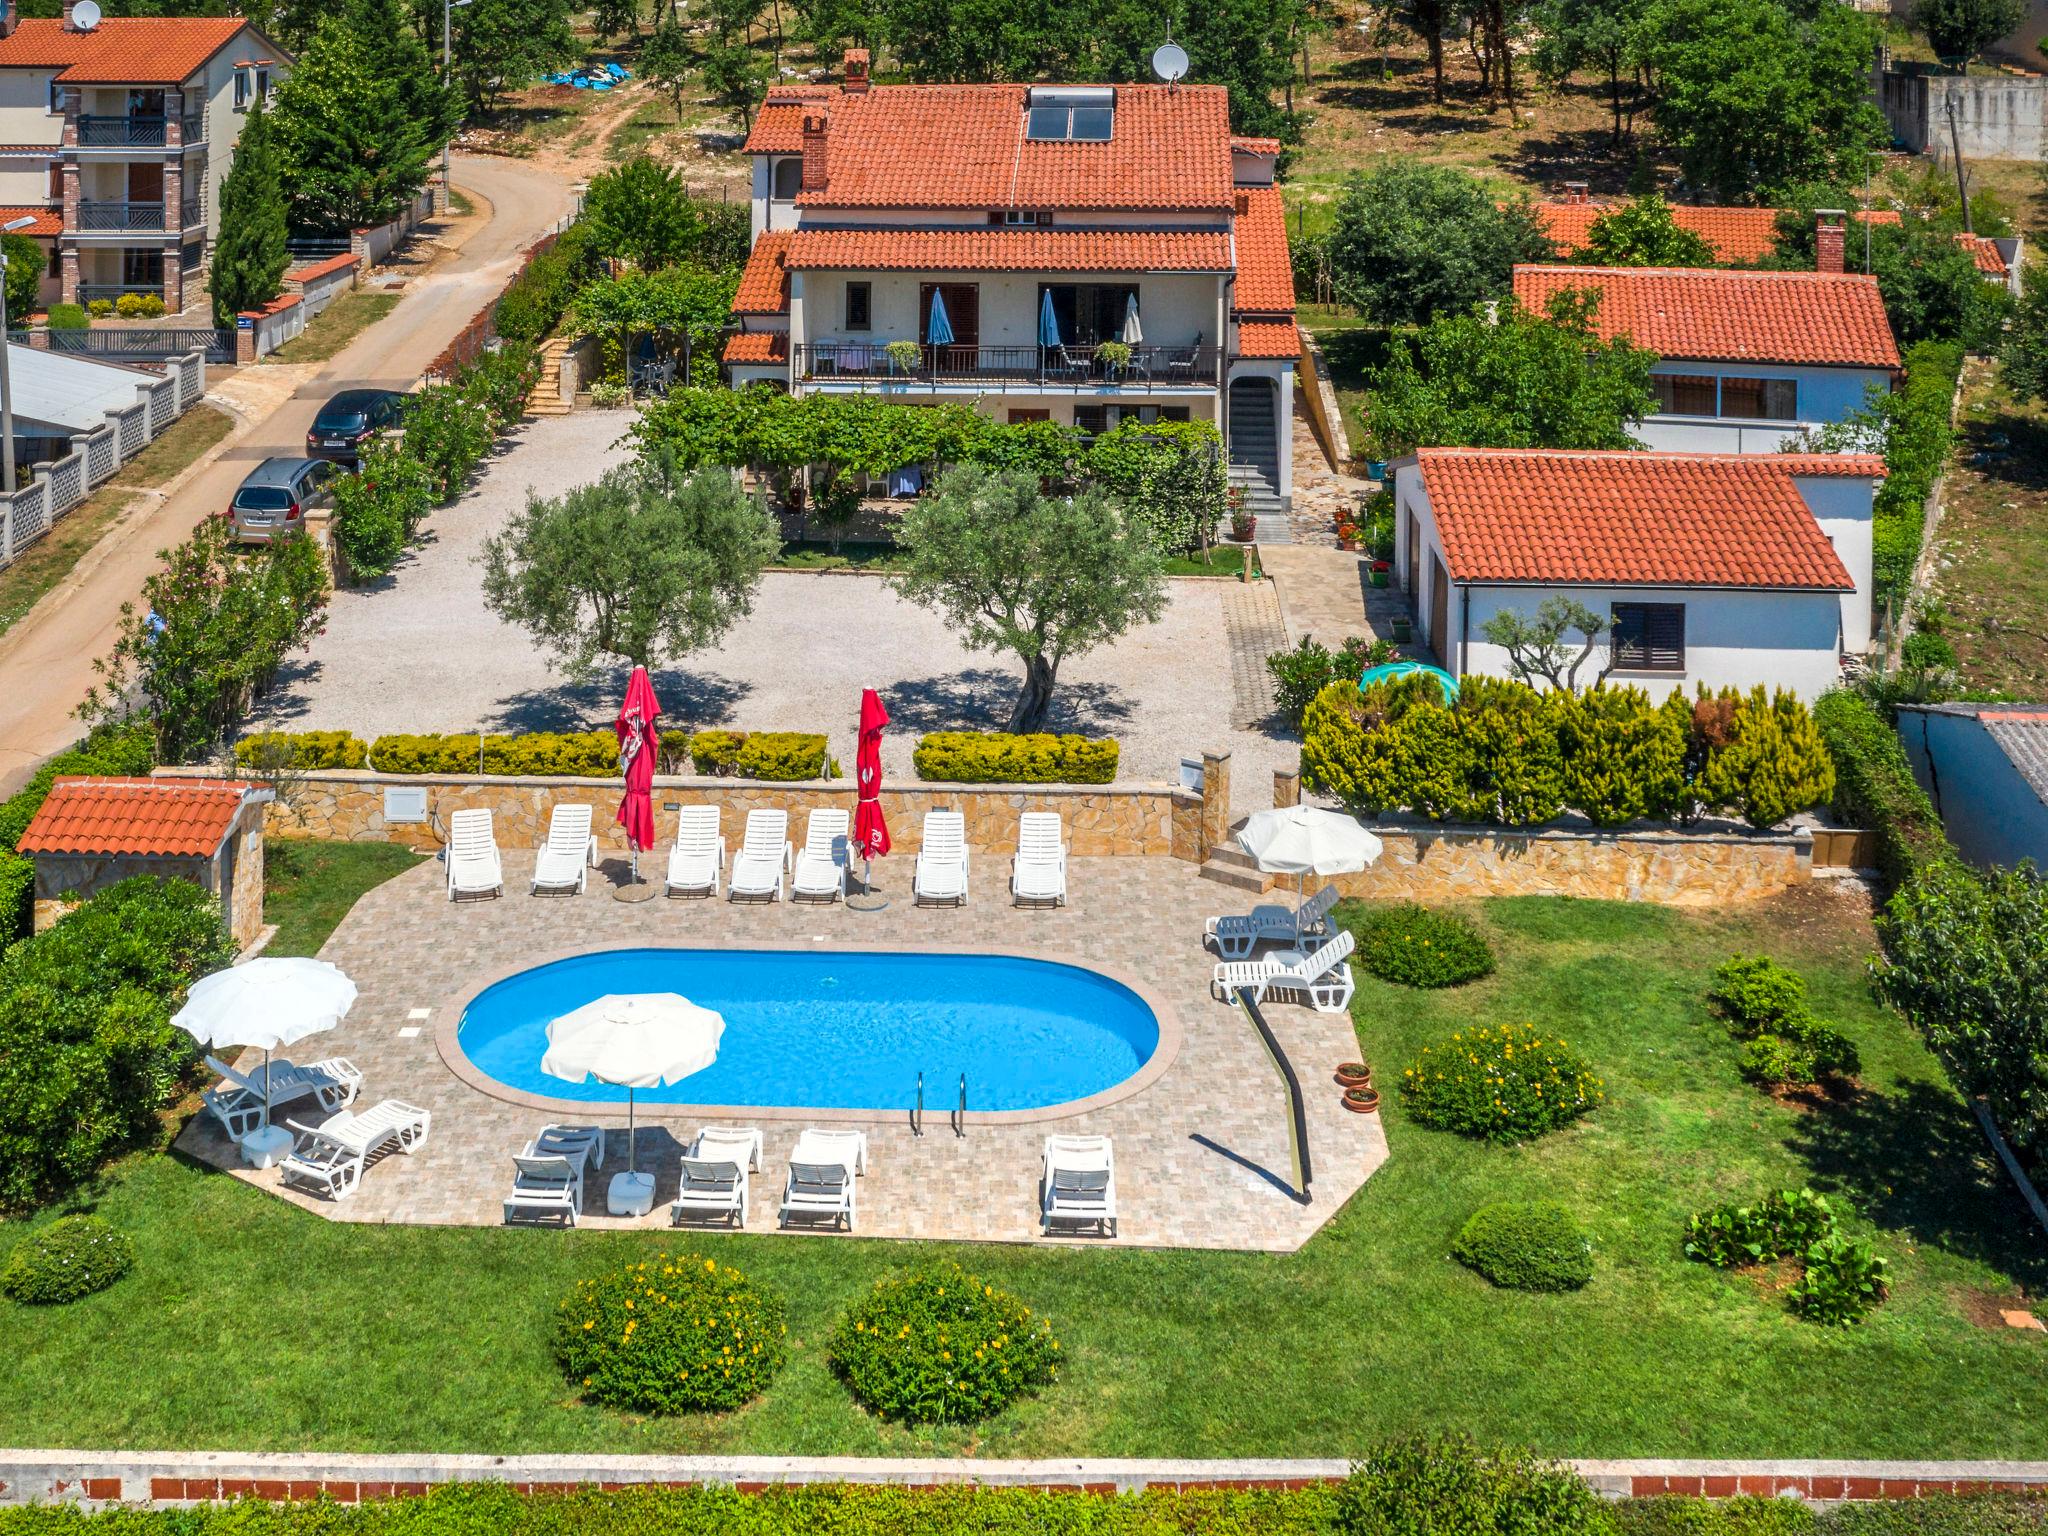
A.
x: 869, y: 364
x: 119, y: 216
x: 139, y: 130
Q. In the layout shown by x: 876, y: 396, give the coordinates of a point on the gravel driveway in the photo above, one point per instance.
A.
x: 419, y: 652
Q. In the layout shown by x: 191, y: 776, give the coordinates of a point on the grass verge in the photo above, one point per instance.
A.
x: 336, y: 326
x: 1994, y: 535
x: 309, y: 886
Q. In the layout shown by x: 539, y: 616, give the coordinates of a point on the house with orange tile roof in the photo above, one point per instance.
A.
x: 1722, y: 569
x: 985, y: 242
x: 1745, y: 359
x: 115, y: 133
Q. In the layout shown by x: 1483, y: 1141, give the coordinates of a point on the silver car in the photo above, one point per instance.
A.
x: 277, y: 496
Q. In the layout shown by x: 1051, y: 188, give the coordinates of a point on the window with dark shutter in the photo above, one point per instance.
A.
x: 1649, y: 637
x: 860, y: 306
x: 1684, y: 394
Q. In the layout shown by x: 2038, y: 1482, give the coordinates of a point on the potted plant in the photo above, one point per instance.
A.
x: 1354, y: 1074
x: 1362, y: 1101
x: 1242, y: 523
x: 904, y: 356
x: 1404, y: 630
x: 1381, y: 571
x: 1115, y: 356
x: 1347, y: 536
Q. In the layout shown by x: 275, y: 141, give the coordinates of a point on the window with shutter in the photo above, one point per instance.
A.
x: 1684, y: 394
x: 1649, y: 637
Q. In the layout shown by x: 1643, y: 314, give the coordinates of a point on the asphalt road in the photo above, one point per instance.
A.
x: 46, y: 658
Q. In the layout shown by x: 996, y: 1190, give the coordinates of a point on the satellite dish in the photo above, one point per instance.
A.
x: 1169, y: 60
x: 85, y: 15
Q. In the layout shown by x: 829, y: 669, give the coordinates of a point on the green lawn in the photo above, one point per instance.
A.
x: 309, y: 886
x: 251, y: 1324
x: 336, y: 326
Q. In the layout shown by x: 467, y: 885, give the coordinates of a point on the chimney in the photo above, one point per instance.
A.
x: 1828, y: 236
x: 69, y: 24
x: 1578, y: 192
x: 814, y: 152
x: 856, y: 71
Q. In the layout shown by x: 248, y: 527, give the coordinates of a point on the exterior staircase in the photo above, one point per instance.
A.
x: 547, y: 398
x: 1255, y: 461
x: 1232, y: 866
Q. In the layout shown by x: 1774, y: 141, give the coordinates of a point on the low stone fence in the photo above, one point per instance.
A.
x: 261, y: 331
x: 320, y: 283
x: 375, y: 242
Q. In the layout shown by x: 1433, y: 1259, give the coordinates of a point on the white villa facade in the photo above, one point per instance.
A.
x: 997, y: 235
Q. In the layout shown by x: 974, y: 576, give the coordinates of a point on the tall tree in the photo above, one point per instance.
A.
x: 1515, y: 380
x: 641, y: 211
x: 249, y: 257
x: 1574, y: 35
x: 668, y: 62
x: 502, y: 44
x: 1643, y: 233
x: 1413, y: 240
x: 25, y: 263
x: 400, y: 52
x: 1752, y: 98
x: 1043, y: 577
x: 1428, y: 20
x: 737, y: 77
x: 1959, y: 30
x: 615, y: 18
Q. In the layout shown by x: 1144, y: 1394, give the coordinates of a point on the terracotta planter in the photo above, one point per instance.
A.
x: 1361, y: 1078
x: 1362, y: 1101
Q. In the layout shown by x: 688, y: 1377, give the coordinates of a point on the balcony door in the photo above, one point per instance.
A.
x: 145, y: 103
x: 963, y: 314
x: 146, y: 181
x: 1087, y: 313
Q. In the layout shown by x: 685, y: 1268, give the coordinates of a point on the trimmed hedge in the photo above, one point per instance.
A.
x: 670, y: 1333
x: 1417, y: 946
x: 1526, y: 1245
x: 1918, y: 441
x: 306, y: 751
x: 1875, y: 787
x: 937, y: 1345
x: 778, y: 757
x: 583, y: 754
x: 998, y: 757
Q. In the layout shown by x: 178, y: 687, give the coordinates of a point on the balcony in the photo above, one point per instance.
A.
x: 1051, y: 368
x: 139, y: 130
x: 122, y: 217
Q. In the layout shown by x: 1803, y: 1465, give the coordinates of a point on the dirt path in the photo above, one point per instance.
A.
x: 46, y: 658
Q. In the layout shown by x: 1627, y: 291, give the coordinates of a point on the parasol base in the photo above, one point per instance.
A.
x: 635, y: 891
x: 866, y: 901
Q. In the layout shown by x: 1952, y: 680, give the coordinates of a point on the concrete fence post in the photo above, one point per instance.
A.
x: 1215, y: 800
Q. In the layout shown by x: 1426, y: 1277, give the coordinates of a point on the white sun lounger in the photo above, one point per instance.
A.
x: 474, y: 868
x: 821, y: 864
x: 239, y: 1103
x: 331, y: 1155
x: 545, y: 1188
x: 1323, y: 977
x: 741, y: 1144
x: 822, y: 1169
x: 1039, y: 870
x: 697, y: 862
x: 1077, y: 1182
x: 711, y: 1188
x: 564, y: 864
x: 762, y: 863
x: 1236, y: 935
x: 941, y: 873
x: 583, y: 1145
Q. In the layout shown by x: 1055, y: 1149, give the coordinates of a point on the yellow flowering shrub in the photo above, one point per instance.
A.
x: 938, y: 1345
x: 1506, y: 1084
x: 670, y: 1332
x: 1416, y: 946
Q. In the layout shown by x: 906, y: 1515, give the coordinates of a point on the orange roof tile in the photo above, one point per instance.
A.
x: 764, y: 285
x: 48, y: 221
x: 171, y: 817
x: 1268, y: 338
x: 1244, y: 144
x: 1985, y: 252
x: 1516, y: 515
x: 758, y: 347
x: 1827, y: 318
x: 1011, y: 250
x: 121, y: 50
x: 963, y: 146
x: 779, y: 123
x: 1736, y: 234
x: 1265, y: 272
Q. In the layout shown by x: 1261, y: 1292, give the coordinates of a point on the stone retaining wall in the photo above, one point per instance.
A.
x: 95, y: 1478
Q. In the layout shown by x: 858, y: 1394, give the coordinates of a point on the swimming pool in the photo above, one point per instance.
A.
x: 837, y: 1030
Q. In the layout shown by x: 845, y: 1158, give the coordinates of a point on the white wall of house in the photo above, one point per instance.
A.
x: 1824, y: 395
x: 1841, y: 504
x: 1989, y: 810
x: 26, y: 118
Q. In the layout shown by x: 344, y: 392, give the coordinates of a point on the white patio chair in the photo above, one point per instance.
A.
x: 1322, y: 977
x: 545, y: 1188
x: 564, y: 863
x: 474, y: 868
x: 331, y: 1155
x: 583, y: 1145
x: 821, y: 863
x: 711, y: 1188
x: 741, y: 1144
x: 762, y: 863
x: 239, y: 1103
x: 1237, y: 935
x: 1039, y: 870
x: 941, y: 873
x: 697, y: 862
x: 1077, y: 1182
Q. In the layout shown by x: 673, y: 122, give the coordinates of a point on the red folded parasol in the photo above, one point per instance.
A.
x: 870, y: 830
x: 638, y: 749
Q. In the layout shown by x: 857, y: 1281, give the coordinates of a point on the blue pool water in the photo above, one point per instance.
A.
x: 840, y: 1031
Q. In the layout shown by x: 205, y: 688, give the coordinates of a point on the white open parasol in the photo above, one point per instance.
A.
x: 1304, y: 840
x: 270, y: 1003
x: 634, y: 1040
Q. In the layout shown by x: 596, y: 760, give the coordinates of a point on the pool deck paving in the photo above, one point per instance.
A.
x: 1202, y: 1149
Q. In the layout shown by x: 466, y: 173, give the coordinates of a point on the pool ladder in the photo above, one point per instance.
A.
x: 956, y: 1117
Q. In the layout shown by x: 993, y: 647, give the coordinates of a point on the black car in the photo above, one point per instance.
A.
x: 349, y: 420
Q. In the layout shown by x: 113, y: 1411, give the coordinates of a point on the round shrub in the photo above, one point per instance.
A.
x: 1526, y: 1245
x: 937, y: 1345
x: 72, y: 1257
x: 1417, y: 946
x: 1505, y: 1084
x: 670, y: 1332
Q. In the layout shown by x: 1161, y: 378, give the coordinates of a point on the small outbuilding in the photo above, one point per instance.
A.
x: 1985, y: 767
x: 91, y: 833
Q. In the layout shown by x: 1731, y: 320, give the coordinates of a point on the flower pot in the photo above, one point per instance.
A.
x: 1362, y: 1101
x: 1375, y: 469
x: 1379, y: 577
x: 1403, y: 631
x: 1354, y: 1074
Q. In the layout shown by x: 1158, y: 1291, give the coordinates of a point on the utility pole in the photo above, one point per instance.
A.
x: 448, y: 8
x: 1955, y: 144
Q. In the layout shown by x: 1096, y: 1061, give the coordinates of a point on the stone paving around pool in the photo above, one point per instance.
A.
x: 1202, y: 1153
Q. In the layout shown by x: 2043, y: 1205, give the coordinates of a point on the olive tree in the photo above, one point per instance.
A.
x: 644, y: 564
x: 1043, y: 577
x: 1536, y: 645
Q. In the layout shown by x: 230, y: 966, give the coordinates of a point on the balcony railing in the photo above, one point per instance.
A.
x: 120, y: 215
x: 140, y: 130
x: 191, y: 211
x: 1149, y: 367
x: 87, y: 292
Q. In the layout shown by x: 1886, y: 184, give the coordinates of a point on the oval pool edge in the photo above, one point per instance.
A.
x: 448, y: 1027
